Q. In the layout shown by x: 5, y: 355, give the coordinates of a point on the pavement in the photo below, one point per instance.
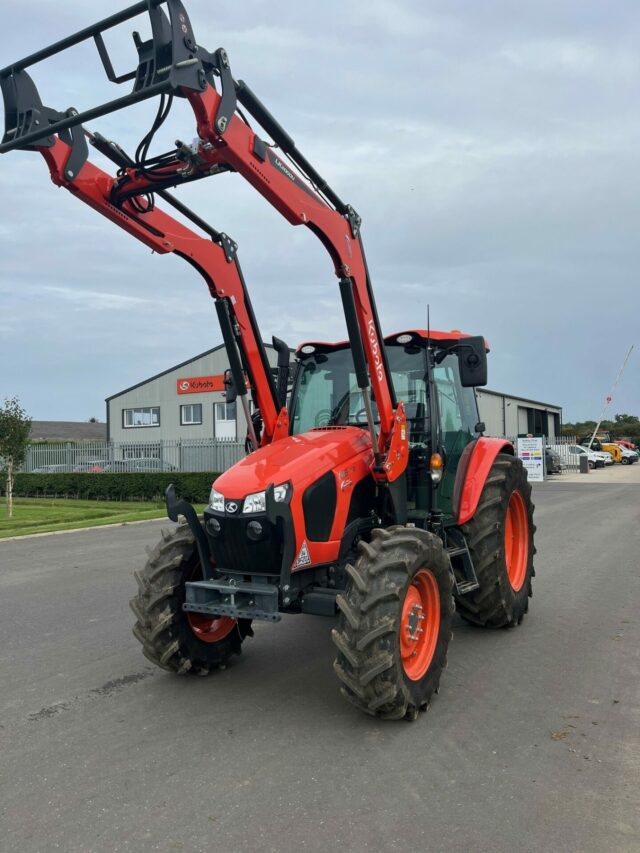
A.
x: 615, y: 473
x: 532, y: 745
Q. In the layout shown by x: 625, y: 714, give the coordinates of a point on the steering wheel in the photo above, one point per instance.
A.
x: 323, y: 418
x: 360, y: 418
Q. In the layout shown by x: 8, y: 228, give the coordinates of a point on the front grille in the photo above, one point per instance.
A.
x: 233, y: 550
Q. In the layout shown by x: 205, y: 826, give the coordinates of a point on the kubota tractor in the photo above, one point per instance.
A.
x: 371, y: 493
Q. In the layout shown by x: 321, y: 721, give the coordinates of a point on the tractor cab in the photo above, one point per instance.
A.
x: 428, y: 376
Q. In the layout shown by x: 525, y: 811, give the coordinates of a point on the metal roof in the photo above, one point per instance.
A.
x: 518, y: 398
x: 67, y: 431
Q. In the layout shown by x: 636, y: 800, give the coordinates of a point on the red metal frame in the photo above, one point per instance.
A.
x: 294, y: 198
x: 164, y: 234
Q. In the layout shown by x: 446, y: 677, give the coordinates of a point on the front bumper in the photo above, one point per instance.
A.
x: 252, y: 571
x: 230, y: 597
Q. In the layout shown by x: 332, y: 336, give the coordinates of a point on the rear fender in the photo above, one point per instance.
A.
x: 473, y: 470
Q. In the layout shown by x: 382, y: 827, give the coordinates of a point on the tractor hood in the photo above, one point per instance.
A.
x: 298, y: 458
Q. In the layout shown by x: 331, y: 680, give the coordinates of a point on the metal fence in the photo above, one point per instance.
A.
x: 207, y: 455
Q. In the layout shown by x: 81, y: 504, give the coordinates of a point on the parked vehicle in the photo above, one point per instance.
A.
x: 93, y: 466
x: 553, y: 461
x: 51, y: 469
x: 380, y: 514
x: 628, y: 444
x: 129, y: 466
x: 601, y: 446
x: 572, y: 451
x: 628, y: 456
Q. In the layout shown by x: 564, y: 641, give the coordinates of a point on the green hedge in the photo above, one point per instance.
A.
x: 116, y: 487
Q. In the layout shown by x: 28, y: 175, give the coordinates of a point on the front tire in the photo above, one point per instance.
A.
x: 500, y: 541
x: 172, y: 639
x: 394, y: 625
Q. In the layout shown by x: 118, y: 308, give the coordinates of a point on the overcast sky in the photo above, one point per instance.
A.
x: 491, y: 148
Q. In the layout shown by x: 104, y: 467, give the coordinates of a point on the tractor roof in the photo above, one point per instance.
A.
x: 443, y: 339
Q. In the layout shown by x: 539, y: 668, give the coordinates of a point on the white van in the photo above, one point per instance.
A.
x: 570, y: 453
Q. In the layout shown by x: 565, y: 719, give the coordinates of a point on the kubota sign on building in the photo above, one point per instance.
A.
x: 200, y: 384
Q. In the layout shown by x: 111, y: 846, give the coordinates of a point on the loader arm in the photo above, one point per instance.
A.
x: 172, y: 64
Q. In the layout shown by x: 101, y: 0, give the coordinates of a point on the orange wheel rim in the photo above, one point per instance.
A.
x: 210, y: 629
x: 420, y: 624
x: 516, y: 541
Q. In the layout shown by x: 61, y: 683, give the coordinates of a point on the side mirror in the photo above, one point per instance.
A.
x: 282, y: 374
x: 472, y: 358
x: 230, y: 390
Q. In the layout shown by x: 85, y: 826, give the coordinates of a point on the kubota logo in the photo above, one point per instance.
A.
x: 375, y: 348
x: 231, y: 506
x: 280, y: 165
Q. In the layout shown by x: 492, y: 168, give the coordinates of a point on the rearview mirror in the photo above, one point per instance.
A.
x: 472, y: 357
x: 230, y: 390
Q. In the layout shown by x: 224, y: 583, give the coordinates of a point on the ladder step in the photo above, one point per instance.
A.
x: 466, y: 586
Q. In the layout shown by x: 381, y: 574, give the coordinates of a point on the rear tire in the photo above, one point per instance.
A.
x: 172, y: 639
x: 394, y: 625
x: 500, y: 541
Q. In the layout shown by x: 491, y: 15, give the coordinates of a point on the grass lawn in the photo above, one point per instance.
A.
x: 42, y: 515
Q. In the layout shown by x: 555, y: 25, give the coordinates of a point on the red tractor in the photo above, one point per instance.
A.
x: 370, y: 491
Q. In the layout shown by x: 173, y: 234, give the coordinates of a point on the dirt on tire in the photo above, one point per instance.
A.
x: 496, y: 604
x: 162, y: 626
x: 369, y: 661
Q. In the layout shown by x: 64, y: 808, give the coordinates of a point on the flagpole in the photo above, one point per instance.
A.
x: 610, y: 397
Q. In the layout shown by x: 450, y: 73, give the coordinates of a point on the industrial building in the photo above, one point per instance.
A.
x: 183, y: 402
x: 505, y: 414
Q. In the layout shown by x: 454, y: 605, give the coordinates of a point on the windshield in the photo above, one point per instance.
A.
x: 328, y: 394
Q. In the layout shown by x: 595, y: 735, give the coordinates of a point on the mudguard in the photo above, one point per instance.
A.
x: 473, y: 470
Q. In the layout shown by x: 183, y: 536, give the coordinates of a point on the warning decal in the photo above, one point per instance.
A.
x: 303, y: 558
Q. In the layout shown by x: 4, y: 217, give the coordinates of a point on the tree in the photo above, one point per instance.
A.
x: 15, y: 426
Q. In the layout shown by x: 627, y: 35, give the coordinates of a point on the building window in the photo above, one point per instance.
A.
x: 191, y: 414
x: 224, y: 420
x: 147, y: 417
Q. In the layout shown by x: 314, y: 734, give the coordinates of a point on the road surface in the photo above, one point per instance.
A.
x: 532, y: 745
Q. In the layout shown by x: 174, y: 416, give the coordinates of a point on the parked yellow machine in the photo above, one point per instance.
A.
x: 602, y: 441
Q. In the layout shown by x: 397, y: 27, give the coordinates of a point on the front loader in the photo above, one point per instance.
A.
x: 370, y: 492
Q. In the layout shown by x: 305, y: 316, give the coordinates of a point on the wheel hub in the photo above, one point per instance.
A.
x: 516, y: 541
x: 420, y: 624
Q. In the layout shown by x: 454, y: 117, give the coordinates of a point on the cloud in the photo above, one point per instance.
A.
x: 492, y: 155
x: 95, y: 300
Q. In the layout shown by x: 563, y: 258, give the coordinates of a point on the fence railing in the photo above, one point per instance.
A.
x: 195, y: 455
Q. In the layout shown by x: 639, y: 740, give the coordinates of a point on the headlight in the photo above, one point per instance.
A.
x: 280, y: 493
x: 255, y: 503
x: 216, y: 501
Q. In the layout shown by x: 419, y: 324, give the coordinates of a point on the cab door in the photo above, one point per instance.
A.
x: 458, y: 411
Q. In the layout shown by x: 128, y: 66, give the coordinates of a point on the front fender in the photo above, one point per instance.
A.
x: 473, y: 470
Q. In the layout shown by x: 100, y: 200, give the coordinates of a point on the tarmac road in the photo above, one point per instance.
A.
x: 532, y: 745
